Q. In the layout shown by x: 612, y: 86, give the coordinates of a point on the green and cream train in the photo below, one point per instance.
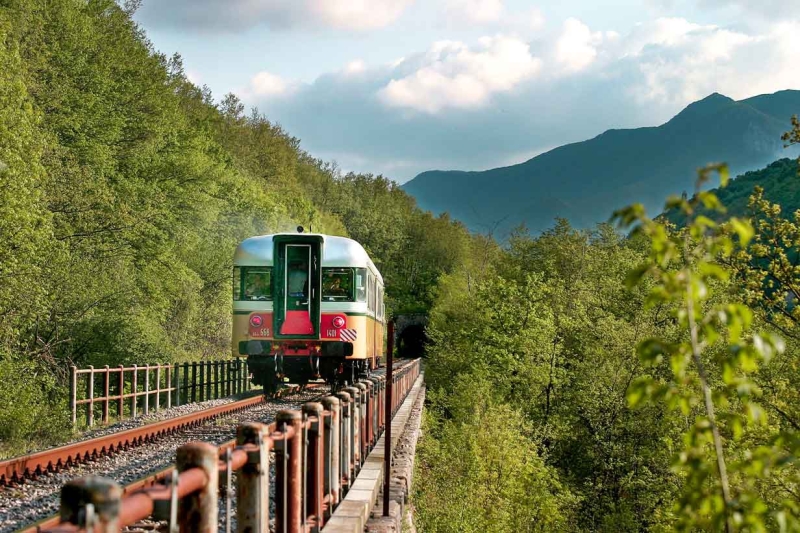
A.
x: 306, y: 306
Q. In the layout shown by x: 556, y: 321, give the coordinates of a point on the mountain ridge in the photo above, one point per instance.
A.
x: 586, y: 180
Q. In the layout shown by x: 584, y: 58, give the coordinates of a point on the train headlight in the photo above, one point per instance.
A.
x: 256, y: 321
x: 338, y: 322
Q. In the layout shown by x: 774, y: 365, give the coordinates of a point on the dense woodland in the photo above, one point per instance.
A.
x: 569, y: 373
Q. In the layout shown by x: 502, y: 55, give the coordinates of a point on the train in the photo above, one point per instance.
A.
x: 307, y: 306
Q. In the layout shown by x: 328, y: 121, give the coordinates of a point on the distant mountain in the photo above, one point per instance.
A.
x: 586, y: 181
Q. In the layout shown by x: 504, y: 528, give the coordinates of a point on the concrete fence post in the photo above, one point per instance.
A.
x: 346, y: 460
x: 288, y: 460
x: 198, y: 512
x: 252, y: 493
x: 315, y: 463
x: 355, y: 427
x: 92, y: 499
x: 332, y: 449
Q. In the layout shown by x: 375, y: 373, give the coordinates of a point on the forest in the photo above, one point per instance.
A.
x: 640, y: 376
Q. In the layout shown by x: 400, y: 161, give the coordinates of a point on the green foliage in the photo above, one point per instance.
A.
x: 483, y: 472
x: 710, y: 362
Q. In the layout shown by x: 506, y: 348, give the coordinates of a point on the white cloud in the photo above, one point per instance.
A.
x: 355, y: 67
x: 495, y: 102
x: 576, y: 47
x: 236, y: 15
x: 536, y: 19
x: 358, y: 14
x: 681, y: 62
x: 475, y: 11
x: 267, y: 85
x: 452, y: 75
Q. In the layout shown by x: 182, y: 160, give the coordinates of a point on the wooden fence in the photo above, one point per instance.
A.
x: 130, y: 391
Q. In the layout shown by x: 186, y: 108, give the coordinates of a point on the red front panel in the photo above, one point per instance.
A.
x: 331, y: 325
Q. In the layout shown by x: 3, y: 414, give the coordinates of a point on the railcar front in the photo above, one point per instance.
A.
x: 306, y: 306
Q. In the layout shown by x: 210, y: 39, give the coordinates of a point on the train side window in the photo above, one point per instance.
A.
x: 257, y: 284
x: 337, y: 284
x: 370, y: 292
x: 361, y: 284
x: 237, y: 283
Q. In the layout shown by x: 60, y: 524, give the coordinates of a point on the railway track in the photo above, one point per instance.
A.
x: 30, y: 485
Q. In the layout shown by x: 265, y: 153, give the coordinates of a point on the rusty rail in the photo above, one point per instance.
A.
x: 318, y: 453
x: 17, y: 469
x: 139, y: 389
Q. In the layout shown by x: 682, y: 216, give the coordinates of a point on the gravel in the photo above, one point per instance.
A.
x: 33, y: 500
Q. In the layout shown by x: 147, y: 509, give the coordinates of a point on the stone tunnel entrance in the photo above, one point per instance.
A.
x: 410, y: 337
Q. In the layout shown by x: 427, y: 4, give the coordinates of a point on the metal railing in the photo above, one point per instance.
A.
x: 318, y: 453
x: 139, y: 389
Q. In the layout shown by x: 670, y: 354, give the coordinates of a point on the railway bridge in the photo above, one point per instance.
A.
x: 322, y: 467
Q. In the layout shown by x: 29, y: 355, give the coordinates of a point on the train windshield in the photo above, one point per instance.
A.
x: 256, y: 283
x: 337, y: 284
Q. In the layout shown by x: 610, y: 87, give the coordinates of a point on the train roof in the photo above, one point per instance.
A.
x: 336, y: 252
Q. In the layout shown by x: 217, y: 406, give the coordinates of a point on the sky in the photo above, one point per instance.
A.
x: 397, y: 87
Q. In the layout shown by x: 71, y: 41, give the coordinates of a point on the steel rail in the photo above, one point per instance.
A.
x: 17, y: 469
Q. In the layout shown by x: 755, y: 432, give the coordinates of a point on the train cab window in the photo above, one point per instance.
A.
x: 361, y: 284
x: 257, y: 284
x: 337, y: 284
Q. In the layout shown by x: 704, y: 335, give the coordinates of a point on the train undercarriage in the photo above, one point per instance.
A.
x: 272, y: 371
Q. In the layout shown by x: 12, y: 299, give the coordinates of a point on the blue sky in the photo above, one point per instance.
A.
x: 402, y: 86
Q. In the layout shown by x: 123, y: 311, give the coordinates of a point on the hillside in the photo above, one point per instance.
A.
x: 779, y: 180
x: 585, y: 181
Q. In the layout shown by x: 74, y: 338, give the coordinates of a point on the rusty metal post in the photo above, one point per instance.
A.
x: 202, y: 381
x: 169, y: 385
x: 106, y: 379
x: 147, y: 389
x: 121, y: 391
x: 252, y: 493
x: 288, y: 472
x: 315, y: 463
x: 185, y: 384
x: 158, y: 387
x: 208, y: 380
x: 194, y: 381
x: 135, y: 391
x: 216, y: 379
x: 198, y: 512
x: 387, y: 440
x: 73, y: 394
x: 332, y: 452
x: 104, y: 497
x: 345, y: 439
x: 90, y: 394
